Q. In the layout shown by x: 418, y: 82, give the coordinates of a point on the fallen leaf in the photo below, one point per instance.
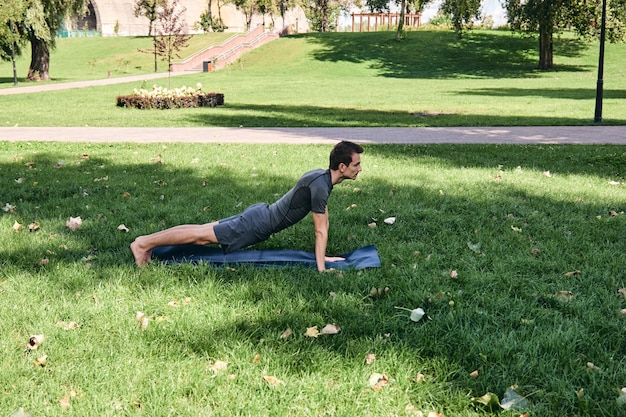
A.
x: 67, y: 326
x: 65, y: 402
x: 390, y: 220
x: 417, y: 314
x: 454, y: 274
x: 74, y: 223
x: 593, y: 367
x: 621, y: 292
x: 564, y: 295
x: 420, y: 377
x: 434, y: 414
x: 44, y: 261
x: 489, y: 400
x: 33, y: 227
x: 123, y: 228
x: 219, y: 366
x: 142, y: 320
x: 547, y: 174
x: 516, y: 229
x: 41, y: 361
x: 371, y: 225
x: 9, y: 208
x: 572, y: 273
x: 474, y: 374
x: 330, y: 329
x: 257, y: 358
x: 35, y: 341
x: 17, y: 227
x: 474, y: 247
x: 272, y: 381
x: 378, y: 381
x: 285, y: 334
x: 370, y: 358
x: 312, y: 332
x: 615, y: 183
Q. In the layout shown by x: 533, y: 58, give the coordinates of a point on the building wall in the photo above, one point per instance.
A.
x: 117, y: 18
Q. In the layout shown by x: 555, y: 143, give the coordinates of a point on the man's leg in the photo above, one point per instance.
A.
x: 199, y: 234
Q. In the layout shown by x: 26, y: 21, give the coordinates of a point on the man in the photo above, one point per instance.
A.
x: 259, y: 221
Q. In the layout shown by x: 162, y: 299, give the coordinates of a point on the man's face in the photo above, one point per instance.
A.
x: 352, y: 170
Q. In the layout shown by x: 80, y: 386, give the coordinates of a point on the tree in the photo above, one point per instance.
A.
x: 322, y: 14
x: 544, y: 18
x: 462, y: 12
x: 170, y: 26
x: 249, y: 8
x: 149, y: 9
x: 42, y: 21
x: 12, y: 31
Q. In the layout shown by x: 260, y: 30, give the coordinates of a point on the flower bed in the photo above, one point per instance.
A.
x: 163, y: 98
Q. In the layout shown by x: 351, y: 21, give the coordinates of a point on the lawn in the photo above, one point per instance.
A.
x: 488, y: 78
x: 515, y: 253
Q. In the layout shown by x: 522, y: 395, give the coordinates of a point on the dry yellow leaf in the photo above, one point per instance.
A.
x: 219, y: 366
x: 272, y: 381
x: 257, y: 358
x: 474, y: 374
x: 41, y: 361
x: 285, y: 334
x: 65, y: 402
x: 312, y: 332
x: 369, y: 359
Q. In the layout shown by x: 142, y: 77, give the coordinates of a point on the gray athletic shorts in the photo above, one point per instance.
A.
x: 244, y: 229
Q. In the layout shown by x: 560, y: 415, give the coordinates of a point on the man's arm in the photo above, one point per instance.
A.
x: 320, y: 223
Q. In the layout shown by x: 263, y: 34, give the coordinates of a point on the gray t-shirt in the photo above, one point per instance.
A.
x: 310, y: 193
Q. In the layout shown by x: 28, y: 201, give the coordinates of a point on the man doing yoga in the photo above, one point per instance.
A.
x: 259, y: 221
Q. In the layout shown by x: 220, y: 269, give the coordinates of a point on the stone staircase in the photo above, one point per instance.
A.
x: 218, y: 56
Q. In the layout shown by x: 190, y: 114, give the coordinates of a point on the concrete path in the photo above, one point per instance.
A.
x: 44, y: 86
x: 427, y: 135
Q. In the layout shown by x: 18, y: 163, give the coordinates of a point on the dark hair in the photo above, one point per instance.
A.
x: 342, y: 153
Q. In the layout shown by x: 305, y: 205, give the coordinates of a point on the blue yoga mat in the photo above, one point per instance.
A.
x: 365, y: 257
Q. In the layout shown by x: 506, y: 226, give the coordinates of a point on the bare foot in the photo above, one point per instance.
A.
x: 141, y: 255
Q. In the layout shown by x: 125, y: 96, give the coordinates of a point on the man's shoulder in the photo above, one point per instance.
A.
x: 314, y: 176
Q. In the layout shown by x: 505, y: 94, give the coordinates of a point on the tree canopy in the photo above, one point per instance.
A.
x: 544, y: 18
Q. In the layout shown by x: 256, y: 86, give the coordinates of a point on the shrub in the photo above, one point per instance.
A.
x: 163, y: 98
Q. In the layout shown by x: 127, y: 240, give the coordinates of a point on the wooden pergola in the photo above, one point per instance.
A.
x: 385, y: 19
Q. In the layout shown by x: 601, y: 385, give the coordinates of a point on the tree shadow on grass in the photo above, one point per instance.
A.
x: 441, y: 55
x: 254, y: 115
x: 501, y: 288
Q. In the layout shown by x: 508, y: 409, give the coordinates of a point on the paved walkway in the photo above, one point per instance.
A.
x: 427, y: 135
x: 488, y: 135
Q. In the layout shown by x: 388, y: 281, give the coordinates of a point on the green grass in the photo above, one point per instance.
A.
x: 362, y: 79
x: 78, y: 59
x: 489, y: 212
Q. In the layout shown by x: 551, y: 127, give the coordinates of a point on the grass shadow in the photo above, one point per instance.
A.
x: 441, y: 55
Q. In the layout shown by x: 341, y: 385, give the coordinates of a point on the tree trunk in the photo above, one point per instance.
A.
x: 40, y: 60
x: 400, y: 31
x: 545, y: 49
